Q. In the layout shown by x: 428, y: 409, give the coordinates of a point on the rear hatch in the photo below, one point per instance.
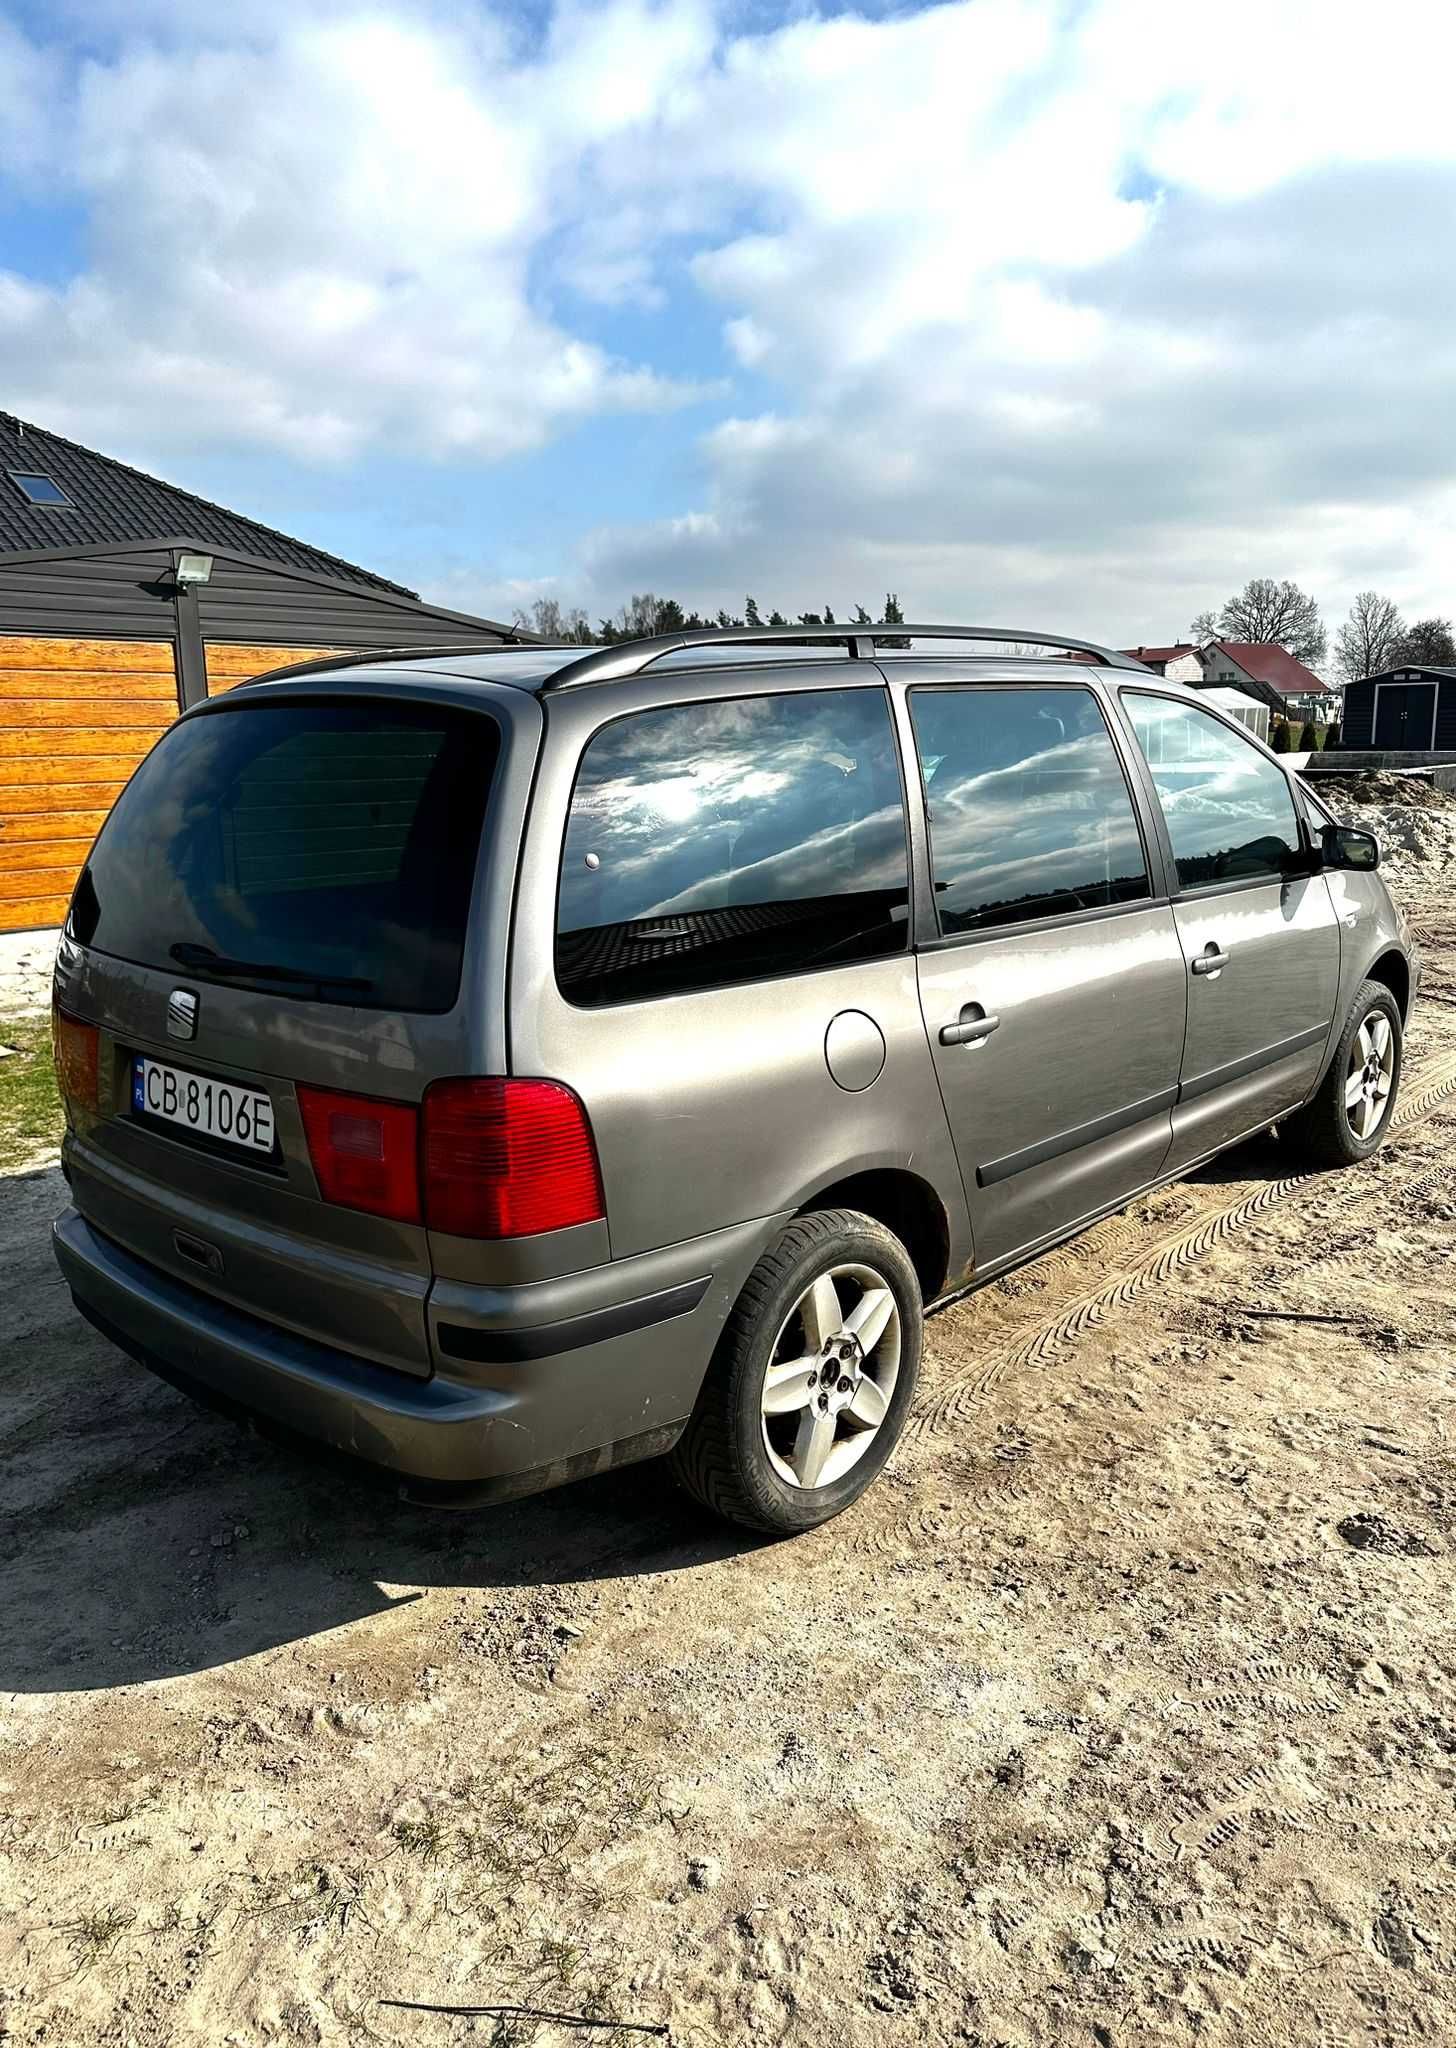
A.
x: 272, y: 922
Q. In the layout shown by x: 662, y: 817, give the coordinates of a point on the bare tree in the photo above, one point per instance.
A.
x: 555, y: 621
x: 1268, y: 613
x: 1366, y: 643
x: 641, y: 616
x: 1204, y: 628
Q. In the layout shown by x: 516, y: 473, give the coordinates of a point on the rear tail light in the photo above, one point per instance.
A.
x: 507, y: 1159
x: 77, y: 1047
x: 365, y: 1153
x: 481, y: 1159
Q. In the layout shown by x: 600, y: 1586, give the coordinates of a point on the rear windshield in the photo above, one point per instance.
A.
x: 322, y: 850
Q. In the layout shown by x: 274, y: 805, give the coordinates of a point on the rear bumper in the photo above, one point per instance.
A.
x: 534, y: 1406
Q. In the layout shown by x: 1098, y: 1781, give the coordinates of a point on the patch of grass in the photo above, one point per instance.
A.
x: 171, y: 1924
x: 425, y: 1838
x: 31, y: 1117
x: 95, y: 1935
x: 540, y: 1838
x: 128, y: 1809
x: 559, y: 1959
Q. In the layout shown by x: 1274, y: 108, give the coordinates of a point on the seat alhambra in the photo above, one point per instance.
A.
x: 504, y: 1064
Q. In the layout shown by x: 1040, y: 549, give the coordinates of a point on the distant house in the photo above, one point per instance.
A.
x: 1405, y: 708
x: 1178, y: 661
x: 122, y: 601
x: 1268, y: 674
x: 1272, y: 675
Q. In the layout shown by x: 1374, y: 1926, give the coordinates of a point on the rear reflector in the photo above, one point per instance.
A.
x: 365, y: 1153
x: 76, y: 1049
x: 507, y: 1159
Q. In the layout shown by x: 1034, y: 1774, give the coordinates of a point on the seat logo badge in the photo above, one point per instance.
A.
x: 181, y: 1014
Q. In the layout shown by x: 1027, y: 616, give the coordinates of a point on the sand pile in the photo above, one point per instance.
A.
x: 1414, y: 822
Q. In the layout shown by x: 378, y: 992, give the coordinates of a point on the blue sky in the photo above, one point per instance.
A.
x: 1080, y: 311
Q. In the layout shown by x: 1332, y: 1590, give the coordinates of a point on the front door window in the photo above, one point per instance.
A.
x: 1229, y: 809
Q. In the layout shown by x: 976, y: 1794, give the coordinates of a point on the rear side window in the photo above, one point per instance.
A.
x: 319, y: 850
x: 1029, y: 810
x: 1229, y: 811
x: 728, y: 841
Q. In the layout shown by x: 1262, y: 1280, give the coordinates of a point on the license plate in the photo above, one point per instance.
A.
x: 214, y: 1109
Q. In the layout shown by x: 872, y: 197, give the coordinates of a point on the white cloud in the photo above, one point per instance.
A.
x: 1092, y: 308
x: 1115, y: 317
x: 322, y: 241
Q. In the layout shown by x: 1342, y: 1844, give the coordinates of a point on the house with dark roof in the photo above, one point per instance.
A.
x: 1409, y: 709
x: 123, y: 600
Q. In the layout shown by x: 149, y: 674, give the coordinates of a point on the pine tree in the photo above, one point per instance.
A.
x: 893, y: 614
x: 750, y: 613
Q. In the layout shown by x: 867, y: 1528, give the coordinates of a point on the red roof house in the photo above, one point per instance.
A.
x: 1270, y: 673
x: 1158, y: 658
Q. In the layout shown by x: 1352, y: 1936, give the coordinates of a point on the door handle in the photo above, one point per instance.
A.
x: 972, y: 1025
x: 1209, y: 961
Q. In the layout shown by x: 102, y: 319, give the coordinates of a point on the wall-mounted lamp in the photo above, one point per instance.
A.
x: 192, y: 570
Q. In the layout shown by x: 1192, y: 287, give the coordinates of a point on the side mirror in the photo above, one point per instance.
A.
x: 1345, y: 846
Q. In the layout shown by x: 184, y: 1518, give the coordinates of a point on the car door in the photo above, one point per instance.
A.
x: 1052, y: 983
x: 1257, y: 927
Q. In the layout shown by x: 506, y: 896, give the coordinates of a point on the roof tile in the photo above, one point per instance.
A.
x: 111, y: 502
x: 1275, y: 666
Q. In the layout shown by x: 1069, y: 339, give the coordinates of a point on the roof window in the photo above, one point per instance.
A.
x: 38, y: 489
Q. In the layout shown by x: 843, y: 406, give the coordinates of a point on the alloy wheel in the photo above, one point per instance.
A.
x: 1371, y: 1075
x: 831, y: 1376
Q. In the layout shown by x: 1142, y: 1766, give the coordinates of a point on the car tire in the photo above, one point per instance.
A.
x: 812, y: 1378
x: 1331, y: 1130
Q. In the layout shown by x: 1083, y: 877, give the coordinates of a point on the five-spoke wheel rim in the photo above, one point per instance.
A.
x: 1371, y: 1075
x: 831, y: 1376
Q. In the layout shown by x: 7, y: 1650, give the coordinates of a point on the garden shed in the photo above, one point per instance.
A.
x: 1409, y: 709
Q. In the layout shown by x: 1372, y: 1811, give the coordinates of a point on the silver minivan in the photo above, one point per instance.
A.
x: 503, y: 1065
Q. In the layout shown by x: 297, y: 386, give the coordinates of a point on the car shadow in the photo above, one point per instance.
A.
x: 1264, y: 1157
x: 142, y: 1537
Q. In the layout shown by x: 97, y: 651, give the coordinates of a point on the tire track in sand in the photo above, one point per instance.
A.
x: 1051, y: 1339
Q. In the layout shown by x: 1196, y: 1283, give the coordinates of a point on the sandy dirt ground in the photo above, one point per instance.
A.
x: 1121, y: 1711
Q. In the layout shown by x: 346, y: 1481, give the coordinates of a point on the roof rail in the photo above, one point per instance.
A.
x: 631, y: 657
x: 518, y: 639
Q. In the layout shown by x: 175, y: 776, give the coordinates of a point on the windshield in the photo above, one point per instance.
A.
x: 321, y: 850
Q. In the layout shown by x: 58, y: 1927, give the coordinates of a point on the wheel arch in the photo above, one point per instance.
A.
x: 907, y: 1205
x: 1392, y: 970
